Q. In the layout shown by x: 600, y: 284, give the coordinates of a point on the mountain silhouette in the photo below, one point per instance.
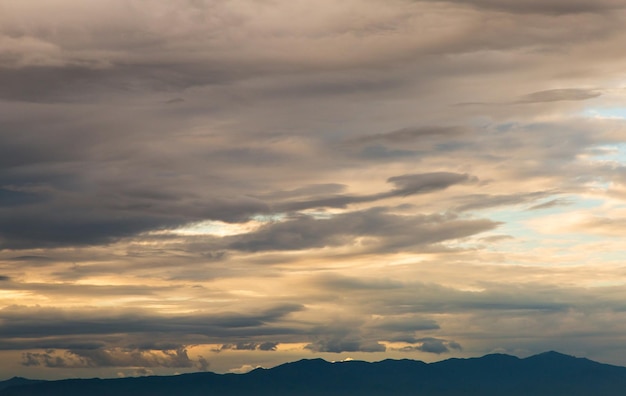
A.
x: 16, y: 381
x: 546, y: 374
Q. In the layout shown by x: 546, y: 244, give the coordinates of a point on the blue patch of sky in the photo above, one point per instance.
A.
x: 611, y: 153
x: 515, y: 222
x: 607, y: 112
x: 268, y: 218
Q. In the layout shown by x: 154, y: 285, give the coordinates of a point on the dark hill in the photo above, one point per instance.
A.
x: 549, y: 373
x: 16, y: 381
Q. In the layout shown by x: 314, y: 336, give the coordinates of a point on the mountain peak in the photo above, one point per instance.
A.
x: 551, y: 355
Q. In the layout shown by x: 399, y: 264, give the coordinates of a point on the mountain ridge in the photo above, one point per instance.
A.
x: 550, y: 373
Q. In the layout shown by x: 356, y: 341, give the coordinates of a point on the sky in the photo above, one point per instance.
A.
x: 191, y: 185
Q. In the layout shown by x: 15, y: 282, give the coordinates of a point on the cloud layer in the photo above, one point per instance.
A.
x: 241, y: 183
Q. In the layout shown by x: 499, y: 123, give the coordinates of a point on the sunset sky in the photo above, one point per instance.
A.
x: 193, y: 185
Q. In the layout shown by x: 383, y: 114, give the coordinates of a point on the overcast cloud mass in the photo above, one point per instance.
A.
x: 219, y: 185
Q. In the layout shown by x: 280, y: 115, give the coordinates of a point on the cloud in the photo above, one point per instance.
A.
x: 310, y: 190
x: 551, y: 204
x: 222, y: 35
x: 345, y: 344
x: 392, y: 231
x: 421, y: 183
x: 406, y: 324
x: 401, y: 306
x: 406, y: 185
x: 94, y: 358
x: 32, y: 258
x: 555, y: 95
x: 484, y: 201
x: 250, y: 346
x: 549, y: 7
x: 35, y: 324
x: 409, y: 135
x: 243, y: 369
x: 352, y: 283
x: 433, y: 345
x: 199, y: 174
x: 141, y: 372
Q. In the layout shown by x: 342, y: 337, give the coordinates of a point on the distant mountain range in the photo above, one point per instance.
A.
x: 546, y: 374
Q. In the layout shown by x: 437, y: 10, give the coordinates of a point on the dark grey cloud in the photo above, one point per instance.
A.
x: 34, y: 323
x: 268, y: 346
x: 547, y: 96
x: 393, y: 231
x: 494, y: 299
x: 38, y: 359
x: 91, y: 83
x: 406, y: 324
x: 549, y: 7
x: 555, y: 95
x: 352, y: 283
x: 150, y: 345
x: 69, y: 208
x: 94, y: 358
x: 405, y: 185
x: 455, y: 345
x: 416, y: 134
x: 338, y: 344
x: 85, y: 177
x: 337, y: 84
x: 425, y: 298
x: 427, y: 182
x: 19, y: 230
x: 250, y: 346
x: 433, y: 345
x: 57, y: 342
x: 10, y: 198
x: 402, y: 328
x: 73, y: 202
x: 32, y: 258
x: 381, y: 153
x: 87, y: 220
x: 413, y: 143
